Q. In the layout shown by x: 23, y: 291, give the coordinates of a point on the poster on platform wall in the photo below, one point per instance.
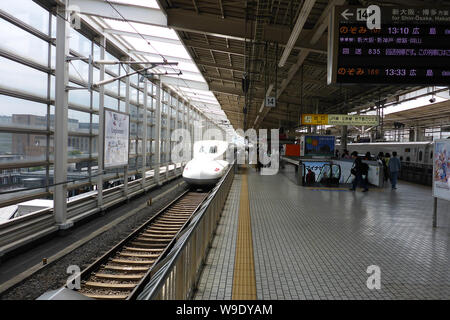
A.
x: 441, y: 166
x: 117, y: 131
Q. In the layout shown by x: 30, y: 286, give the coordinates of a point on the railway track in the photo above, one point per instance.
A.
x: 117, y: 274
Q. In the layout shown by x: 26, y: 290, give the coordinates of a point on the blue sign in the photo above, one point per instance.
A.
x: 319, y: 145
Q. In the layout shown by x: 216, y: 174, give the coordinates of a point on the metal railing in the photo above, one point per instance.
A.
x: 176, y: 276
x: 416, y: 173
x: 28, y: 228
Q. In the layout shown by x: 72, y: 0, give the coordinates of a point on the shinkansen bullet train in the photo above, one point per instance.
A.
x: 208, y: 164
x: 414, y: 152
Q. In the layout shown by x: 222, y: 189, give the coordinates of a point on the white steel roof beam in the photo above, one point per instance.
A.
x: 146, y: 36
x: 157, y: 56
x: 178, y: 82
x: 132, y: 13
x: 209, y: 103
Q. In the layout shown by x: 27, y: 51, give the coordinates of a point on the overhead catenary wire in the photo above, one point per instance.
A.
x: 147, y: 41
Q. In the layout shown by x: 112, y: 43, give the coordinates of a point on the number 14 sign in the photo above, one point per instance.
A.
x: 270, y: 102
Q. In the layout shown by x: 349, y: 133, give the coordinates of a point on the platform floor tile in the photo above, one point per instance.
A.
x: 216, y: 280
x: 318, y: 244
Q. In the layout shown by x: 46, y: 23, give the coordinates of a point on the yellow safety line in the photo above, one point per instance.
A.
x: 244, y: 281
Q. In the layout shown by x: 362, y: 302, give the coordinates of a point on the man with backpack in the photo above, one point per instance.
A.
x: 360, y: 171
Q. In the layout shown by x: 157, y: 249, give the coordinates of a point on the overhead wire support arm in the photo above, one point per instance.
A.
x: 152, y: 65
x: 91, y: 63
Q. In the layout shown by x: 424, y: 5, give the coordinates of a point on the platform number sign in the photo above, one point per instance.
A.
x: 371, y: 15
x: 270, y: 102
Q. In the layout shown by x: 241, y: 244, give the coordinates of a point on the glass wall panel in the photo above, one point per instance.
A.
x: 122, y: 105
x: 18, y: 77
x: 95, y: 100
x: 29, y: 12
x: 133, y: 112
x: 26, y: 147
x: 134, y: 79
x: 113, y: 87
x: 78, y: 147
x: 20, y: 113
x: 78, y: 121
x: 133, y: 146
x: 80, y: 97
x: 150, y: 117
x: 112, y: 68
x: 141, y: 97
x: 133, y: 129
x: 123, y: 89
x: 80, y: 43
x: 133, y: 95
x: 19, y: 42
x: 111, y: 103
x: 79, y: 70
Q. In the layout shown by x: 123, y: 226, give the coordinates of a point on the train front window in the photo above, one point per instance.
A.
x: 213, y: 149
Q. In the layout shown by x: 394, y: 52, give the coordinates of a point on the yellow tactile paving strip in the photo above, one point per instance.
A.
x: 244, y: 282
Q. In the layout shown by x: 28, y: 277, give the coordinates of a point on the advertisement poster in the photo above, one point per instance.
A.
x: 318, y: 168
x: 441, y: 174
x: 117, y: 131
x: 319, y: 145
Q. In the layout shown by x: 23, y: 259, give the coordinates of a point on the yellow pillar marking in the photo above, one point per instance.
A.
x: 244, y: 282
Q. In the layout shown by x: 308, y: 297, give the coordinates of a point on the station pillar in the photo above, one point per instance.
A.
x: 61, y: 118
x: 343, y: 138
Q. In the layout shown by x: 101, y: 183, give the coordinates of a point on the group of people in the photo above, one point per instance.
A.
x: 391, y: 168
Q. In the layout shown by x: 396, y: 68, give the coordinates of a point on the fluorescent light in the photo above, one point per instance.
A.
x: 302, y: 17
x: 262, y: 107
x: 269, y: 90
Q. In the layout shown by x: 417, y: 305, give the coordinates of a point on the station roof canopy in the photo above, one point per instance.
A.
x: 218, y: 42
x: 431, y: 115
x: 139, y: 28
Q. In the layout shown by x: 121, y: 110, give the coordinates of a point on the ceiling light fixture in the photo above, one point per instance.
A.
x: 302, y: 17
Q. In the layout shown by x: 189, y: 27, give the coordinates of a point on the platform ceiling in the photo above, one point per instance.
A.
x: 226, y: 38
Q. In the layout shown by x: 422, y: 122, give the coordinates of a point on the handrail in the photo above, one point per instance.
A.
x: 32, y: 225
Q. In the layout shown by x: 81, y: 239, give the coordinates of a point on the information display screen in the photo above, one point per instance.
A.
x: 412, y: 46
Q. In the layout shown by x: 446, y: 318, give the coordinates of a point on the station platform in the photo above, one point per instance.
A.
x: 277, y: 240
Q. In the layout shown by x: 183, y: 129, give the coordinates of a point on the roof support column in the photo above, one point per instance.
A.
x: 127, y: 111
x: 144, y: 133
x: 177, y: 117
x: 157, y: 140
x: 344, y: 135
x: 169, y: 136
x: 101, y: 126
x: 61, y: 117
x: 189, y: 127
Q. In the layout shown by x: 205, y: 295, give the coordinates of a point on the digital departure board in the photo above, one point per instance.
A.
x: 412, y: 46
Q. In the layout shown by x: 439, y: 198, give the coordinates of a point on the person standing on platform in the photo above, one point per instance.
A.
x: 359, y: 170
x: 394, y: 168
x: 345, y: 154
